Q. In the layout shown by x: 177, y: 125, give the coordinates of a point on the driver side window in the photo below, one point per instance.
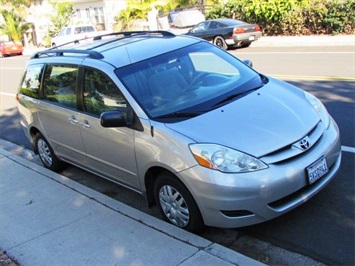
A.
x: 101, y: 94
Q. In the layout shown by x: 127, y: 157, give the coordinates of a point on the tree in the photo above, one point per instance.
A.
x: 14, y: 13
x: 63, y: 12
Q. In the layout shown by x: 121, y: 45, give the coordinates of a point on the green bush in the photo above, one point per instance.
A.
x: 291, y: 17
x: 340, y: 17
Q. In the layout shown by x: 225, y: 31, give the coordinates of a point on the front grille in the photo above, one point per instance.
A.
x: 290, y: 151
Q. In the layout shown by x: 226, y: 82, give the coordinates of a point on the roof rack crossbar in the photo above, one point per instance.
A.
x: 61, y: 52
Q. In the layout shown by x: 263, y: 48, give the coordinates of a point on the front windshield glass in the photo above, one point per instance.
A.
x: 191, y: 80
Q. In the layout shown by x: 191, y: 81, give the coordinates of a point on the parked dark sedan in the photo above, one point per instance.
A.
x: 227, y: 33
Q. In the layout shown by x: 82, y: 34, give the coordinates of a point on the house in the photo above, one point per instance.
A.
x: 100, y: 13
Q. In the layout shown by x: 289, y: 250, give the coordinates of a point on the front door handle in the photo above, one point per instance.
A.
x: 85, y: 124
x: 73, y: 120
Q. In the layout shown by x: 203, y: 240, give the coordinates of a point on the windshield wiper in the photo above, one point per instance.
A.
x: 180, y: 114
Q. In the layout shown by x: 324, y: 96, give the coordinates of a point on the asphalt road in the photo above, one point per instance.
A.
x: 323, y: 229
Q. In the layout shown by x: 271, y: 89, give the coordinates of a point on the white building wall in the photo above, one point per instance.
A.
x: 100, y: 13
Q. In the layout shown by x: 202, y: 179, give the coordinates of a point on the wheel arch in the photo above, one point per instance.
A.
x: 33, y: 131
x: 149, y: 179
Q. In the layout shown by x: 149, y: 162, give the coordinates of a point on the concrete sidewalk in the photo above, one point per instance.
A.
x: 48, y: 219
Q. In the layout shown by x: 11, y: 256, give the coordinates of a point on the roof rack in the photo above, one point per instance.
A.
x: 61, y: 52
x: 56, y: 51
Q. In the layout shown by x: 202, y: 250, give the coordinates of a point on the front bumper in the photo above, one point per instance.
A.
x: 236, y: 200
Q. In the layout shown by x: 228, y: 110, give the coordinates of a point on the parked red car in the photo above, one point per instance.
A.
x: 10, y: 48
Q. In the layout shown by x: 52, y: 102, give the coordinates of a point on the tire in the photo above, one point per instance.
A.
x: 176, y: 204
x: 220, y: 42
x: 46, y: 154
x: 244, y: 45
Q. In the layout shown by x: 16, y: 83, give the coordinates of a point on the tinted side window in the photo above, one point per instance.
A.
x: 60, y: 84
x: 101, y: 94
x: 213, y: 25
x: 90, y: 29
x: 31, y: 81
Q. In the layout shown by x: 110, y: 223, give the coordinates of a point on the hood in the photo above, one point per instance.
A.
x: 264, y: 121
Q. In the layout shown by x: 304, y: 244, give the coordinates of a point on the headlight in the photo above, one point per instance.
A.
x: 224, y: 159
x: 319, y: 107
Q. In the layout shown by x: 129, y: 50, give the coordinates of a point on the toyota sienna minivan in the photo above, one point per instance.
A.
x: 193, y: 129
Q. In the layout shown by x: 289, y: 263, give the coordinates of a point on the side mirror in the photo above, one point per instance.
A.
x: 113, y: 119
x: 248, y: 62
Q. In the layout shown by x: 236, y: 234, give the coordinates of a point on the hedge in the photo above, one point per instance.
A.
x: 291, y: 17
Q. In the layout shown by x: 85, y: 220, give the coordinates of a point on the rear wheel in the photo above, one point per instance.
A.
x: 219, y: 41
x: 246, y: 44
x: 176, y: 204
x: 46, y: 154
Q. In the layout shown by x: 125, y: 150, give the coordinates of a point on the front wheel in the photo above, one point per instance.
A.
x: 176, y: 203
x: 220, y: 42
x: 46, y: 154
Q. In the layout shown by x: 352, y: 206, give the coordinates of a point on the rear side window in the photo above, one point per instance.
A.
x: 60, y: 84
x: 31, y: 81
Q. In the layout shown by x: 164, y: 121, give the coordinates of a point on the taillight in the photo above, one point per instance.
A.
x: 17, y: 96
x: 257, y: 28
x: 238, y: 30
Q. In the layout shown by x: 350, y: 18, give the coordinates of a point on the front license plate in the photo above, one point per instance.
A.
x: 317, y: 170
x: 251, y: 38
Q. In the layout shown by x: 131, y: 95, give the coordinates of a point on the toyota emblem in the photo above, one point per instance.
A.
x: 303, y: 144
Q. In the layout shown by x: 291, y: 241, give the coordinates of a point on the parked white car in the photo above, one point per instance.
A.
x: 185, y: 18
x: 73, y: 33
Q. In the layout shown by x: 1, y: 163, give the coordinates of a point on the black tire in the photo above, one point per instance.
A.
x: 220, y: 42
x: 176, y: 204
x: 46, y: 154
x: 244, y: 45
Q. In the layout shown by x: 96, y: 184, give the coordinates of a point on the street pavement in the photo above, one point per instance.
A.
x: 48, y: 219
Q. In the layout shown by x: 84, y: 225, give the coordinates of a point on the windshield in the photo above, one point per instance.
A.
x: 188, y: 82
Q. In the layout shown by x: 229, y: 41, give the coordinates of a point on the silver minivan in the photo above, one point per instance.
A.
x: 189, y: 126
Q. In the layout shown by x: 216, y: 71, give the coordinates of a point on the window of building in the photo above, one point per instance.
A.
x: 99, y: 15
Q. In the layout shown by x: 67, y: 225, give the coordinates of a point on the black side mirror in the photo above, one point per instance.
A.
x: 113, y: 119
